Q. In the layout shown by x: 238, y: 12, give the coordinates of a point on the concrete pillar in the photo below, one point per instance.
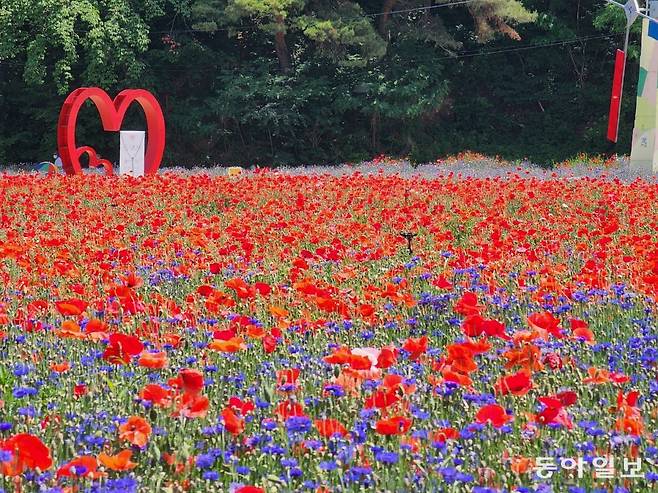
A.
x: 644, y: 149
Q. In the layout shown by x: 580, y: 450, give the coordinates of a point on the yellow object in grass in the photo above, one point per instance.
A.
x: 234, y: 171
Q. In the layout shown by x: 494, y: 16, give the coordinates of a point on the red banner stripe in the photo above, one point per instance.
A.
x: 615, y: 100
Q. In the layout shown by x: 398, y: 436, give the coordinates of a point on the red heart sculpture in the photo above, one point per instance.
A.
x: 112, y: 114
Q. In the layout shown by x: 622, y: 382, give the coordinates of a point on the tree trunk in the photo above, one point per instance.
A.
x: 374, y: 126
x: 383, y: 20
x: 282, y: 47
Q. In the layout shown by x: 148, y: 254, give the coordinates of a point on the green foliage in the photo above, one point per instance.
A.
x: 60, y: 38
x: 301, y: 81
x: 343, y: 34
x: 492, y: 16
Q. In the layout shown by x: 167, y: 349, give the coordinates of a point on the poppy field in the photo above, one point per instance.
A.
x: 275, y: 333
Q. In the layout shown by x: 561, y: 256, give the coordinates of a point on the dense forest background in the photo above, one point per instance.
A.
x: 273, y: 82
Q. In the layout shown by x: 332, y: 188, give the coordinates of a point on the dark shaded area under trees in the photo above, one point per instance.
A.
x: 300, y: 81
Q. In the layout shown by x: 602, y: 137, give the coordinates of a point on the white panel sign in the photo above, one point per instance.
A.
x: 131, y: 155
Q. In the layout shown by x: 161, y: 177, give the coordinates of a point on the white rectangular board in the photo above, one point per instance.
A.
x: 131, y: 154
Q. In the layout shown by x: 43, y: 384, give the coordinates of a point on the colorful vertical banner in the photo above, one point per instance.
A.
x: 644, y: 150
x: 615, y: 100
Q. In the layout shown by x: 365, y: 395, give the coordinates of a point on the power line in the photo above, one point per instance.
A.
x: 459, y: 55
x: 557, y: 42
x: 420, y: 9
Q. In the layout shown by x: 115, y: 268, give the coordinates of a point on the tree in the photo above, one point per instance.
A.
x: 490, y: 16
x: 272, y: 17
x: 96, y: 42
x: 494, y: 16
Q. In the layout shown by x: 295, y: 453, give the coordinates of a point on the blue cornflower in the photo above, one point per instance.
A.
x: 335, y: 390
x: 386, y: 457
x: 367, y: 335
x: 289, y: 462
x: 273, y: 450
x: 298, y: 424
x: 20, y: 392
x: 328, y: 465
x: 205, y: 461
x: 28, y: 411
x: 313, y: 444
x: 20, y: 370
x: 210, y: 475
x: 357, y: 473
x: 260, y: 404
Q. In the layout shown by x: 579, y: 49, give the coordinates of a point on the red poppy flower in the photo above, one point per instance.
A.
x: 156, y: 394
x: 629, y: 400
x: 494, y: 328
x: 545, y: 323
x: 232, y: 345
x: 287, y: 377
x: 475, y: 325
x: 28, y: 452
x: 494, y: 414
x: 415, y: 347
x: 262, y: 288
x: 249, y: 489
x: 286, y: 409
x: 366, y: 311
x: 62, y: 367
x: 340, y: 356
x: 580, y: 330
x: 554, y: 412
x: 193, y: 406
x: 136, y: 431
x: 383, y: 398
x: 233, y: 424
x: 224, y: 335
x: 191, y: 380
x: 518, y: 384
x: 205, y: 290
x: 241, y: 288
x: 442, y: 283
x: 85, y: 466
x: 71, y: 307
x: 444, y: 434
x: 243, y: 407
x: 387, y: 358
x: 154, y: 361
x: 330, y: 427
x: 359, y: 362
x: 472, y: 325
x: 79, y: 390
x: 269, y: 344
x: 566, y: 398
x: 118, y: 462
x: 468, y: 304
x: 397, y: 425
x: 95, y: 325
x: 122, y: 348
